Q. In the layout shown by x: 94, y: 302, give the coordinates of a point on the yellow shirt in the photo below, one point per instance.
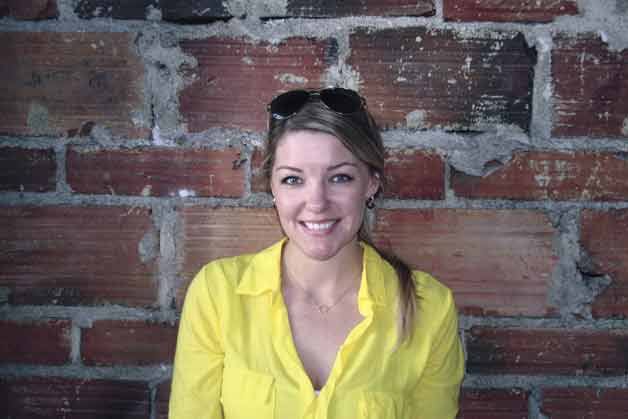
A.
x: 236, y: 359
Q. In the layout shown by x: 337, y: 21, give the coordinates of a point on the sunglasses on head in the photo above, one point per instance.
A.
x: 337, y: 99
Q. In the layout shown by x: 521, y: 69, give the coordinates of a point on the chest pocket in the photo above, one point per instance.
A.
x: 247, y: 394
x: 382, y: 405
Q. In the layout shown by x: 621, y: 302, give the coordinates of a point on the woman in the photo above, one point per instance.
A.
x: 321, y: 324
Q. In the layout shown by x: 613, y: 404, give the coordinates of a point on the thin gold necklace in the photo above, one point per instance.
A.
x: 323, y: 308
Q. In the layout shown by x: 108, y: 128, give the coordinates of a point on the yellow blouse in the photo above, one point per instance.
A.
x: 235, y: 355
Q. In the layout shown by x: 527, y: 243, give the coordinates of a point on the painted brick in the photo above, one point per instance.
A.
x: 497, y: 262
x: 41, y: 342
x: 546, y: 352
x: 324, y: 8
x: 493, y: 403
x: 27, y: 170
x: 75, y: 255
x: 508, y: 10
x: 130, y: 342
x: 58, y: 82
x: 585, y: 403
x: 603, y: 237
x: 551, y: 175
x: 162, y: 399
x: 156, y: 172
x: 212, y: 233
x: 590, y: 88
x: 414, y: 174
x: 429, y: 78
x: 55, y: 397
x: 29, y: 9
x: 195, y: 11
x: 236, y: 78
x: 128, y: 9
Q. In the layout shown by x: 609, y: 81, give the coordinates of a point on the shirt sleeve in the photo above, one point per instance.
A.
x: 436, y: 394
x: 198, y: 364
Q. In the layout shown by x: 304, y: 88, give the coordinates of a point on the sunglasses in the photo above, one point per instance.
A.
x: 337, y: 99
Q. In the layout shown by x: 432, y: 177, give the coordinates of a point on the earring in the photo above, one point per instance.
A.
x: 274, y: 202
x: 370, y: 202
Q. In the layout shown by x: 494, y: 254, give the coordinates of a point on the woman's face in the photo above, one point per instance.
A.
x: 320, y: 190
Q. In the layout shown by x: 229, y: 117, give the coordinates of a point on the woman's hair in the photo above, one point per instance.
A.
x: 359, y: 133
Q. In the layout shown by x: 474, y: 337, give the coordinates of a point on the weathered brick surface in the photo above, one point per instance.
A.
x: 508, y: 10
x: 497, y: 262
x: 29, y: 9
x: 545, y: 351
x: 55, y: 397
x: 590, y: 88
x: 493, y: 403
x: 161, y: 400
x: 584, y: 403
x: 414, y: 174
x: 57, y: 82
x: 188, y: 11
x: 35, y: 342
x: 604, y: 238
x: 73, y: 255
x: 430, y: 78
x: 212, y: 233
x: 558, y: 176
x: 325, y: 8
x: 258, y: 180
x: 156, y: 172
x: 130, y: 342
x: 127, y: 9
x: 27, y: 170
x: 236, y: 78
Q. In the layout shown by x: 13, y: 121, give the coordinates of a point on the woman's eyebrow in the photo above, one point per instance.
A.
x: 329, y: 169
x: 294, y: 169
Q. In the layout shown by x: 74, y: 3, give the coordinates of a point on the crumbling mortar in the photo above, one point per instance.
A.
x: 124, y: 373
x: 467, y: 322
x: 530, y: 382
x: 75, y: 351
x: 465, y: 203
x: 166, y: 218
x: 542, y: 104
x: 535, y: 401
x: 84, y: 316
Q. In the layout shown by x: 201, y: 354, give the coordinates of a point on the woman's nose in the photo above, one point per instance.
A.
x: 317, y: 198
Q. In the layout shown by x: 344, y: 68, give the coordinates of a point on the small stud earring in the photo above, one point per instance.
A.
x: 370, y: 202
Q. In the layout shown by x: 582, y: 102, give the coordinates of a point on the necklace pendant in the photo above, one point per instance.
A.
x: 323, y: 309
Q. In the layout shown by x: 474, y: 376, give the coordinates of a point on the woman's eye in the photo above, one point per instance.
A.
x: 291, y: 180
x: 341, y: 178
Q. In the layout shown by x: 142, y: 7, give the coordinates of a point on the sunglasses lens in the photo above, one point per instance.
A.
x: 285, y: 105
x: 341, y: 100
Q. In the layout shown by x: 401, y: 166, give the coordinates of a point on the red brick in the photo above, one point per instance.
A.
x: 76, y: 255
x: 508, y: 10
x: 551, y: 175
x: 55, y: 397
x: 604, y: 239
x: 414, y: 174
x: 321, y: 8
x: 590, y: 88
x: 212, y: 233
x: 134, y: 9
x: 498, y: 262
x: 57, y: 82
x: 128, y: 342
x: 27, y: 170
x: 156, y: 172
x: 236, y: 78
x: 493, y: 403
x: 429, y: 78
x: 29, y: 9
x: 41, y: 342
x: 585, y: 403
x: 162, y: 400
x: 547, y: 352
x: 258, y: 180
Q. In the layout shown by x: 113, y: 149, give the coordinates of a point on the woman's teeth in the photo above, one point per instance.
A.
x: 319, y: 226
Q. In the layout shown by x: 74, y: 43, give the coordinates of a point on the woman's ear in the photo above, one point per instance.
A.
x: 375, y: 184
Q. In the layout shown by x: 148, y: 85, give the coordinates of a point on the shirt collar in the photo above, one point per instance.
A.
x: 263, y: 274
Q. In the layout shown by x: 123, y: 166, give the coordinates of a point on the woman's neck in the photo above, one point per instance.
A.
x: 323, y: 277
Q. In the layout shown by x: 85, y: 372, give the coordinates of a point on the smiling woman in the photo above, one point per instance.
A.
x: 321, y: 324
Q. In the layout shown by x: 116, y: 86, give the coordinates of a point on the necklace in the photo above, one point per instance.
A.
x: 322, y: 308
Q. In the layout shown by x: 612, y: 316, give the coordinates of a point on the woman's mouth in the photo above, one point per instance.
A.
x: 318, y: 227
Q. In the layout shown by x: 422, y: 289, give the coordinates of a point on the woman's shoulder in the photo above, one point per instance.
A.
x: 430, y: 290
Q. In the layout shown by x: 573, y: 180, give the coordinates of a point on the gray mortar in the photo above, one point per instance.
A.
x: 542, y: 118
x: 75, y: 350
x: 154, y: 373
x: 622, y: 6
x: 535, y: 401
x: 166, y: 218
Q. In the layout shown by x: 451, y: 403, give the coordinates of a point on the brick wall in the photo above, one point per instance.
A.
x: 129, y: 155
